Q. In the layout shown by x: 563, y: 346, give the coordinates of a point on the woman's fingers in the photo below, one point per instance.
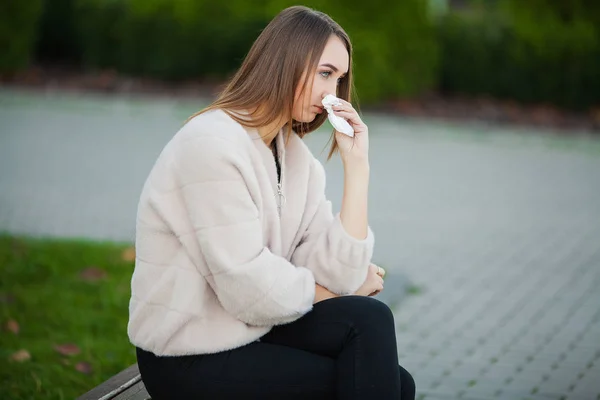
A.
x: 378, y: 290
x: 345, y: 103
x: 343, y: 108
x: 378, y: 270
x: 345, y: 113
x: 346, y: 110
x: 376, y: 279
x: 350, y: 116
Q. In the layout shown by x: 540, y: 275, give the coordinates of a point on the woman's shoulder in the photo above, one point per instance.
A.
x: 212, y: 136
x: 208, y: 142
x: 213, y: 125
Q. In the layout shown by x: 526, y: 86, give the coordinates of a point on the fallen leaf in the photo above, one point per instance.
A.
x: 7, y: 298
x: 67, y: 349
x: 13, y: 326
x: 38, y: 381
x: 128, y: 254
x: 21, y: 356
x: 84, y: 367
x: 92, y: 274
x: 19, y: 247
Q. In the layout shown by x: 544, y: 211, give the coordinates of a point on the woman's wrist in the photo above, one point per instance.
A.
x: 356, y: 165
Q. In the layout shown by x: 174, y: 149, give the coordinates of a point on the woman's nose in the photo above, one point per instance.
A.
x: 331, y: 89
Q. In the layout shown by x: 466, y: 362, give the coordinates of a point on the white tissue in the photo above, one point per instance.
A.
x: 339, y: 123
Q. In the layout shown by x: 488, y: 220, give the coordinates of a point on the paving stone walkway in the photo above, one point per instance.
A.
x: 491, y: 236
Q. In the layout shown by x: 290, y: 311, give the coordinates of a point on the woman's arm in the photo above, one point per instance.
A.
x: 372, y: 286
x: 354, y: 201
x: 338, y: 260
x: 354, y: 152
x: 339, y: 249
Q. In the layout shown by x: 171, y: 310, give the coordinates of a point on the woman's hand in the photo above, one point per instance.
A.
x: 381, y: 273
x: 352, y: 149
x: 373, y: 284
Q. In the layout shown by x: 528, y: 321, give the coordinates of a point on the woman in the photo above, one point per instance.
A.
x: 246, y: 286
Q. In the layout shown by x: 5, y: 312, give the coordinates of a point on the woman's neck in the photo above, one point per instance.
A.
x: 270, y: 131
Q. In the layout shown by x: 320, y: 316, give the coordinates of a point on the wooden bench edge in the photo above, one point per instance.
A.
x: 115, y: 385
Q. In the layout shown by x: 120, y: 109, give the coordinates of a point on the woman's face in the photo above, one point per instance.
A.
x: 332, y: 66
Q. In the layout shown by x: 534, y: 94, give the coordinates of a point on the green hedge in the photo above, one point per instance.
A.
x: 166, y: 39
x: 396, y: 50
x: 529, y: 52
x: 58, y: 40
x: 18, y: 31
x: 539, y: 51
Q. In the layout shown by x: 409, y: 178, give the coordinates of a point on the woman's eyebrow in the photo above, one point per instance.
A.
x: 333, y: 67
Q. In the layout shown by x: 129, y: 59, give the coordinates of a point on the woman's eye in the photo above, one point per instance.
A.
x: 327, y: 74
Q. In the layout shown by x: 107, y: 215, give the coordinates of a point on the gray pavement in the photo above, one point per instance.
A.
x: 491, y: 236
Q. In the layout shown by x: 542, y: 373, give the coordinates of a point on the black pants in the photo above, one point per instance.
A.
x: 345, y: 348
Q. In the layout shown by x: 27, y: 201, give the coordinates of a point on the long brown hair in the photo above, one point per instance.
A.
x: 266, y: 82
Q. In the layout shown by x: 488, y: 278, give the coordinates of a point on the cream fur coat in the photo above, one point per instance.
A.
x: 217, y: 263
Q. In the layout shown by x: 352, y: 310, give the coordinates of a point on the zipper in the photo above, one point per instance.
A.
x: 280, y: 197
x: 281, y: 200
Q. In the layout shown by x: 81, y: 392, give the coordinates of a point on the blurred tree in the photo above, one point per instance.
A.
x: 558, y: 44
x: 57, y: 40
x: 395, y: 43
x: 538, y: 51
x: 18, y: 31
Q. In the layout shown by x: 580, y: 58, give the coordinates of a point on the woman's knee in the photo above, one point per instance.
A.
x: 407, y: 384
x: 358, y: 309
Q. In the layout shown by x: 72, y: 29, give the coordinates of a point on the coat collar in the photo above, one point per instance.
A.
x: 295, y: 161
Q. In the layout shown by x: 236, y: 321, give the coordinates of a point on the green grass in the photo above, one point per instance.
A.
x: 42, y: 290
x: 414, y: 290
